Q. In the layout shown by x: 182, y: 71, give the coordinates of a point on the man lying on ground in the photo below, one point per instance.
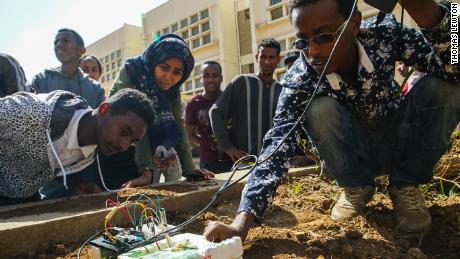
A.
x: 47, y: 135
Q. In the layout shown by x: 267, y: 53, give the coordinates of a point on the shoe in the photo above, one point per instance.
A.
x: 410, y: 209
x: 352, y: 202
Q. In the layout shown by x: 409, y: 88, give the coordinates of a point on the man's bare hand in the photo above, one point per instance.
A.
x: 217, y: 231
x: 143, y: 180
x: 235, y: 153
x: 199, y: 174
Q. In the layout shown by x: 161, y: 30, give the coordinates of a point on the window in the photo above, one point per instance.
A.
x: 273, y: 2
x: 118, y: 53
x: 119, y: 63
x: 184, y: 23
x: 107, y: 68
x: 197, y: 70
x: 198, y: 83
x: 195, y: 31
x: 113, y: 65
x: 165, y: 30
x: 206, y: 39
x: 174, y: 27
x: 290, y: 40
x: 282, y: 44
x: 194, y: 18
x: 114, y: 75
x: 188, y: 85
x: 107, y: 58
x: 195, y: 43
x: 204, y: 14
x: 112, y: 56
x: 247, y: 69
x: 277, y: 13
x: 185, y: 34
x: 205, y: 27
x: 107, y: 77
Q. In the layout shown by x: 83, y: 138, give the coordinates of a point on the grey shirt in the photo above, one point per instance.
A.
x: 54, y: 79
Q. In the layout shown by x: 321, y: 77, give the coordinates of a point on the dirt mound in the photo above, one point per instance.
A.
x: 298, y: 225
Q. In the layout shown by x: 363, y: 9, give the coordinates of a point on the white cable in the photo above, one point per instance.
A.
x: 102, y: 178
x: 261, y: 159
x: 64, y: 173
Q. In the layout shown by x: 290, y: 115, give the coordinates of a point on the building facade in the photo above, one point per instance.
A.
x: 113, y: 49
x: 226, y: 31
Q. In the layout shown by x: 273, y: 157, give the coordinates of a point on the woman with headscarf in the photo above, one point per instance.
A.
x: 159, y: 72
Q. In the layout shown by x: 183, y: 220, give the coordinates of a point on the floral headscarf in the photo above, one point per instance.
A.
x: 140, y: 70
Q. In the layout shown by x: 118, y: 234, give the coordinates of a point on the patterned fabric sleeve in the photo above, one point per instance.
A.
x: 429, y: 51
x: 264, y: 180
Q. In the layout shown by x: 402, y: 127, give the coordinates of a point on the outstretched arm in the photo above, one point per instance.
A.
x: 426, y: 13
x: 260, y: 189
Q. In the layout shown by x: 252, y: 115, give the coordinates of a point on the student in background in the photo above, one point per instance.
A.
x: 249, y: 102
x: 68, y: 48
x: 159, y: 71
x: 197, y: 120
x: 91, y: 66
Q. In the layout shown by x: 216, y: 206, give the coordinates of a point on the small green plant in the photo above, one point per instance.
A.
x: 440, y: 189
x: 297, y: 187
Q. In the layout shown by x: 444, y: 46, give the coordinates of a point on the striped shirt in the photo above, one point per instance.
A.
x: 247, y: 106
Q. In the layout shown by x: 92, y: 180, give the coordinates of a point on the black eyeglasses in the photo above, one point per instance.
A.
x: 319, y: 39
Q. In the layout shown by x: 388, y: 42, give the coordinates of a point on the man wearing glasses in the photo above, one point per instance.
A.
x: 358, y: 120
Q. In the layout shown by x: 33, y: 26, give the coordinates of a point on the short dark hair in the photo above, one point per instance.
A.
x: 269, y: 43
x: 212, y: 62
x: 343, y: 5
x: 291, y: 56
x: 132, y: 100
x: 94, y: 58
x: 75, y: 35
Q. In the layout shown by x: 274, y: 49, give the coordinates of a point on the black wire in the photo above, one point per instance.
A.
x: 224, y: 186
x: 235, y: 168
x: 402, y: 13
x: 87, y: 241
